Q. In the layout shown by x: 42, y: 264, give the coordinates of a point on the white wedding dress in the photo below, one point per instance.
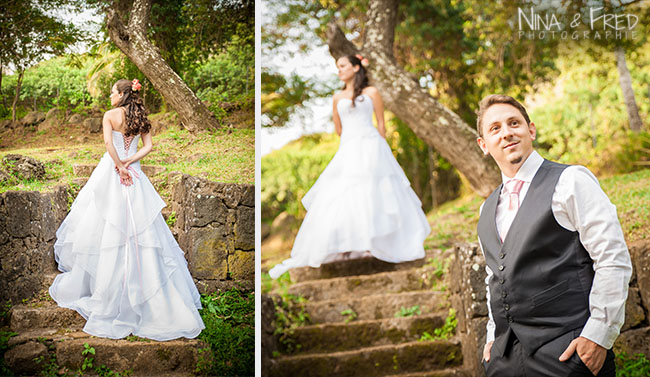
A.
x: 123, y: 271
x: 362, y: 201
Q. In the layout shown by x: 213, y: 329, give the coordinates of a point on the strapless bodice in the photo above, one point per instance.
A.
x: 357, y: 120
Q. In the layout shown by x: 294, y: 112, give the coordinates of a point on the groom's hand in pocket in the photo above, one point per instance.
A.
x: 487, y: 348
x: 592, y: 354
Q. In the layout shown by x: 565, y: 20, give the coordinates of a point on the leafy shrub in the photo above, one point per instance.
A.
x: 229, y: 319
x: 288, y: 173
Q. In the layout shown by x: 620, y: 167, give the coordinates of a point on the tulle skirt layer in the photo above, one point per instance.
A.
x: 123, y: 271
x: 362, y: 201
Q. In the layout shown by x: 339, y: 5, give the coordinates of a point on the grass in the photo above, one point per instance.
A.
x: 229, y: 318
x: 456, y: 221
x: 632, y: 366
x: 226, y: 155
x: 630, y: 193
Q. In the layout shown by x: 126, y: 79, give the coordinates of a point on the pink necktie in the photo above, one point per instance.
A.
x: 514, y: 187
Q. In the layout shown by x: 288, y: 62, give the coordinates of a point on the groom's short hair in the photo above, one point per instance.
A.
x: 493, y: 99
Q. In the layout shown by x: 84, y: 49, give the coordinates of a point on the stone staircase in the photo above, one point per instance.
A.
x: 46, y: 330
x: 369, y: 339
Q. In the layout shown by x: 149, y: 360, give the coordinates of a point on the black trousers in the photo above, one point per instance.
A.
x: 545, y: 361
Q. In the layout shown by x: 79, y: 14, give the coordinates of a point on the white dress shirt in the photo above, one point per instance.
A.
x: 580, y: 204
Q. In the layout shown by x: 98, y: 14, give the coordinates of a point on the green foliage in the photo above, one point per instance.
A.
x: 229, y: 318
x: 632, y: 366
x: 432, y: 177
x: 441, y: 266
x: 445, y: 332
x: 350, y: 314
x: 583, y: 118
x: 459, y: 50
x: 51, y: 368
x: 288, y: 173
x: 88, y: 361
x: 4, y: 339
x: 289, y: 311
x: 283, y: 96
x: 408, y: 312
x: 228, y: 77
x: 4, y: 314
x: 171, y: 220
x: 51, y: 83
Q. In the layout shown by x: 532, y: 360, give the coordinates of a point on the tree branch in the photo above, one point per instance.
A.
x: 432, y: 122
x: 140, y: 16
x: 338, y: 43
x: 380, y: 26
x: 117, y: 30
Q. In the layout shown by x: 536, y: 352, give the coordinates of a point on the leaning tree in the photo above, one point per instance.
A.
x: 434, y: 123
x: 131, y: 38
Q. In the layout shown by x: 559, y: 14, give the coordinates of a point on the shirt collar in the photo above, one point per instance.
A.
x: 528, y: 169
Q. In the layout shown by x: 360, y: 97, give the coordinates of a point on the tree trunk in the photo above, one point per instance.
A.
x: 132, y: 41
x: 19, y: 83
x: 436, y: 125
x: 433, y: 160
x: 628, y: 93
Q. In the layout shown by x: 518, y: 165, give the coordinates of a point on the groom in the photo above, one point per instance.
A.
x: 557, y: 265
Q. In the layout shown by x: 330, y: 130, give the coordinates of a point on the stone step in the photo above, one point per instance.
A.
x: 46, y: 335
x: 373, y: 361
x: 357, y: 266
x: 143, y: 357
x: 363, y: 285
x: 46, y: 315
x: 375, y: 306
x: 359, y: 334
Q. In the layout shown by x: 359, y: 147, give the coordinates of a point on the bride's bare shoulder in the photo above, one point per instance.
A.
x: 370, y: 90
x: 113, y: 113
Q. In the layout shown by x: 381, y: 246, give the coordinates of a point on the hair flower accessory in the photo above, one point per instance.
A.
x: 135, y: 86
x: 364, y: 61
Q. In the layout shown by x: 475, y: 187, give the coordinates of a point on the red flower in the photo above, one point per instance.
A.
x: 135, y: 86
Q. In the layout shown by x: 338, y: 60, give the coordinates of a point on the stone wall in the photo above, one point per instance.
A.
x: 215, y: 224
x: 468, y: 297
x: 28, y: 224
x: 215, y: 227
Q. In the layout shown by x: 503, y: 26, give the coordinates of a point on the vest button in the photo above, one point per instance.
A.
x: 506, y: 307
x: 501, y: 281
x: 504, y: 294
x: 501, y: 268
x: 510, y: 320
x: 501, y: 255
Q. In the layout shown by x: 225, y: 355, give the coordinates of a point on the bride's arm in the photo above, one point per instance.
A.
x: 147, y: 145
x: 125, y: 177
x: 379, y: 110
x: 336, y: 118
x: 108, y: 141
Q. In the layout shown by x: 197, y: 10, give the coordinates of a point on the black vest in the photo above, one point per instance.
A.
x: 542, y: 273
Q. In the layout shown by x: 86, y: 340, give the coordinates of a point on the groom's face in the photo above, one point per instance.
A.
x: 506, y: 136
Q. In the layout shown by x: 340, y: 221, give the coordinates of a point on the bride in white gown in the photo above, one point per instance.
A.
x: 363, y: 201
x: 123, y: 271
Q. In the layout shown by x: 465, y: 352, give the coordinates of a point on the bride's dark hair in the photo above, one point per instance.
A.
x: 360, y: 77
x: 136, y: 114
